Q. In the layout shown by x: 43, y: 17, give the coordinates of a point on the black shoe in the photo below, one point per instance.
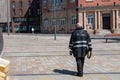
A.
x: 79, y: 74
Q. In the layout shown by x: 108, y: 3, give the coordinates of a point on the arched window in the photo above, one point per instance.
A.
x: 29, y: 3
x: 21, y: 12
x: 44, y: 3
x: 13, y: 8
x: 54, y: 22
x: 13, y: 4
x: 45, y: 22
x: 74, y: 19
x: 62, y: 21
x: 20, y: 4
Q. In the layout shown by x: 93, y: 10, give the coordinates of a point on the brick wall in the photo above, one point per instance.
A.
x: 99, y: 2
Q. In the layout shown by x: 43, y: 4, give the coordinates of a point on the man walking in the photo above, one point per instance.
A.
x: 79, y: 44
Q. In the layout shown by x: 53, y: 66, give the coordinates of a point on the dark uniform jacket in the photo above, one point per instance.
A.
x: 80, y: 42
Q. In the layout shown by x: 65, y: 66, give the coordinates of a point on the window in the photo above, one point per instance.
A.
x: 72, y: 1
x: 30, y: 12
x: 44, y: 3
x: 57, y: 2
x: 29, y: 4
x: 21, y: 4
x: 53, y: 2
x: 61, y: 1
x: 89, y: 0
x: 21, y: 12
x: 38, y: 11
x: 13, y: 4
x: 62, y: 21
x: 13, y: 8
x: 90, y: 18
x: 74, y: 20
x: 24, y: 28
x: 46, y: 23
x: 19, y: 19
x: 14, y: 12
x: 53, y: 22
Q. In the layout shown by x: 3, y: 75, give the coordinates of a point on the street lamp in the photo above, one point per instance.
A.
x: 76, y: 10
x: 55, y: 21
x: 8, y: 24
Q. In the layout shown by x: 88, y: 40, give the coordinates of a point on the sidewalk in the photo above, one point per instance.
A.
x: 36, y: 57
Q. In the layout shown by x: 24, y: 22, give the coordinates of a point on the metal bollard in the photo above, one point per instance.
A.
x: 33, y: 30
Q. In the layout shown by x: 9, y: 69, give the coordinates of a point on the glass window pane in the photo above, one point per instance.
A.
x: 53, y: 22
x: 72, y: 1
x: 21, y: 4
x: 45, y: 23
x: 29, y: 4
x: 90, y: 18
x: 44, y: 3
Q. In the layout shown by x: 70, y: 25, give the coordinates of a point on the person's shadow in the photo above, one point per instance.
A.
x: 66, y: 72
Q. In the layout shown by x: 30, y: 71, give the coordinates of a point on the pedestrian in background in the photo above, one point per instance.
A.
x: 80, y: 44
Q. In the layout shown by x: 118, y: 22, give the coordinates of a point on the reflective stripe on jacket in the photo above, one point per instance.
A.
x: 80, y: 42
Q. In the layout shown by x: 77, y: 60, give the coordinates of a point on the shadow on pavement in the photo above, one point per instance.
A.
x: 103, y: 73
x: 67, y: 72
x: 112, y: 41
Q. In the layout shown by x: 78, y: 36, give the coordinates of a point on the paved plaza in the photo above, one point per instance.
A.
x: 40, y: 57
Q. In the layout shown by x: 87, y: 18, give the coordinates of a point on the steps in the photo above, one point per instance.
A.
x: 105, y: 31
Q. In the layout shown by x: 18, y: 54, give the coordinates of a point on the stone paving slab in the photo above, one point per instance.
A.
x: 47, y: 64
x: 65, y: 77
x: 43, y: 58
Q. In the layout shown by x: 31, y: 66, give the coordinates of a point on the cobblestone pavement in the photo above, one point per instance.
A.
x: 36, y: 57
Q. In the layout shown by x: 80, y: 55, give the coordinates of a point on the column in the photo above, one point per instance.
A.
x: 85, y: 20
x: 80, y: 19
x: 99, y: 20
x: 117, y: 19
x: 95, y: 20
x: 113, y: 16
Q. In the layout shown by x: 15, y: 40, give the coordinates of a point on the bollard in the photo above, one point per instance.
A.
x: 2, y: 78
x: 33, y: 30
x: 94, y: 32
x: 2, y: 75
x: 3, y: 68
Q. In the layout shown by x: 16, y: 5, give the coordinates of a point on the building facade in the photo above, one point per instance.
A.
x: 4, y: 14
x: 95, y: 15
x: 60, y: 14
x: 25, y: 15
x: 45, y: 15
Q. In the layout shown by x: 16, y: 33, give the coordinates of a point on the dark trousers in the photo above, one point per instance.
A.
x: 80, y: 64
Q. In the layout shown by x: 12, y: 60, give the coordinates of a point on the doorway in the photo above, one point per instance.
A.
x: 106, y: 21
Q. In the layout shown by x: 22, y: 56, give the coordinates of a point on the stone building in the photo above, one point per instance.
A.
x: 4, y: 14
x: 62, y: 15
x: 98, y: 15
x: 25, y: 15
x: 95, y: 15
